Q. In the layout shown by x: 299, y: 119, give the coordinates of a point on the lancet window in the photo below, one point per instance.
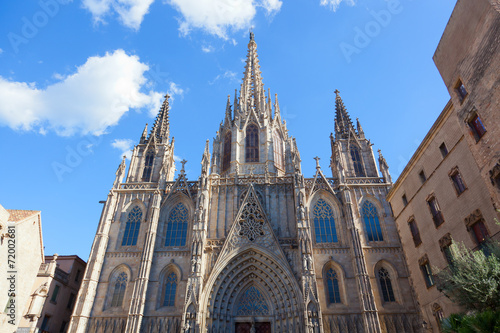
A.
x: 170, y: 289
x: 132, y: 227
x: 252, y: 144
x: 226, y: 157
x: 324, y: 223
x: 177, y: 226
x: 386, y: 285
x: 278, y: 151
x: 372, y: 223
x: 148, y: 166
x: 332, y: 284
x: 119, y: 290
x: 356, y: 161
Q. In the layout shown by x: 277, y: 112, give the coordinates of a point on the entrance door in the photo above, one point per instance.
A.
x: 259, y: 327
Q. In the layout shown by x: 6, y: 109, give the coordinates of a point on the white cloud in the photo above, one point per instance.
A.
x: 217, y: 16
x: 125, y: 145
x: 1, y: 51
x: 207, y: 48
x: 131, y: 12
x: 92, y: 99
x: 226, y: 75
x: 334, y: 4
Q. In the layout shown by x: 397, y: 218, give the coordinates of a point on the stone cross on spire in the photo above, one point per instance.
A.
x: 183, y: 162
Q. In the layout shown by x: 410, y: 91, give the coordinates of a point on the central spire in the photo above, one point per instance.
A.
x: 252, y: 93
x: 161, y: 127
x: 343, y: 123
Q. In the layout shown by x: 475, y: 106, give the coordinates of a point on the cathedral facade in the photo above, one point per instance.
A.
x: 252, y: 245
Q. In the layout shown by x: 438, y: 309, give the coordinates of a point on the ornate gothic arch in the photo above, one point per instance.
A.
x: 252, y: 267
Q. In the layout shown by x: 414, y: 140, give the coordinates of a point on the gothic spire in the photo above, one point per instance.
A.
x: 144, y: 134
x: 228, y: 108
x: 161, y: 127
x: 343, y: 123
x: 252, y: 87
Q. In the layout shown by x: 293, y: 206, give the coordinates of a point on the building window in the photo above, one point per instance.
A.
x: 457, y: 180
x: 177, y: 226
x: 332, y: 283
x: 444, y: 244
x: 170, y: 289
x: 226, y: 157
x: 415, y: 233
x: 148, y: 166
x: 119, y: 290
x: 53, y: 299
x: 495, y: 175
x: 386, y: 285
x: 405, y: 200
x: 63, y: 327
x: 437, y: 216
x: 356, y: 161
x: 372, y: 223
x: 480, y: 232
x: 278, y: 151
x: 71, y: 301
x: 324, y: 223
x: 476, y: 126
x: 438, y: 313
x: 252, y: 144
x: 461, y: 91
x: 45, y: 323
x: 132, y: 227
x: 77, y: 275
x: 443, y: 149
x: 422, y: 176
x: 425, y: 267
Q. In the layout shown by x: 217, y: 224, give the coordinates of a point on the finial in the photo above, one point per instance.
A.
x: 252, y: 36
x: 183, y: 162
x: 317, y: 162
x: 252, y: 168
x: 337, y: 92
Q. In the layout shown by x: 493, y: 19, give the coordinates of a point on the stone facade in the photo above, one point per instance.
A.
x: 53, y: 295
x: 26, y: 259
x: 251, y: 245
x: 450, y: 188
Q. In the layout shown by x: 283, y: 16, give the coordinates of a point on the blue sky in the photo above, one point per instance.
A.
x: 79, y: 79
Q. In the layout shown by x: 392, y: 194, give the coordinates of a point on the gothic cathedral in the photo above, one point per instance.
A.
x: 252, y: 245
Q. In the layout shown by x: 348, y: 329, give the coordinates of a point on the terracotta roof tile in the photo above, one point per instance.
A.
x: 18, y: 215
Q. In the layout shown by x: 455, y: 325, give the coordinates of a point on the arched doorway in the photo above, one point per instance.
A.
x: 252, y: 313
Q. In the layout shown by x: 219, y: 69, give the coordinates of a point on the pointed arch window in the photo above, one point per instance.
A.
x: 177, y: 226
x: 372, y: 223
x: 148, y: 166
x: 386, y: 285
x: 278, y: 150
x: 226, y: 156
x: 170, y: 289
x: 324, y: 223
x: 132, y: 227
x: 252, y: 144
x: 119, y: 290
x: 356, y: 161
x: 332, y: 284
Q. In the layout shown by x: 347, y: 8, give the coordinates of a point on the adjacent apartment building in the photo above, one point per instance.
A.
x: 53, y: 295
x: 450, y: 189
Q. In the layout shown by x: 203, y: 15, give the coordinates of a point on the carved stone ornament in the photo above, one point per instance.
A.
x: 445, y: 241
x: 473, y: 218
x: 422, y: 261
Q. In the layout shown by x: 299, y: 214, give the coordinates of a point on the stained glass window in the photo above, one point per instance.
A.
x: 252, y: 144
x: 252, y: 303
x: 332, y: 283
x: 386, y: 285
x: 148, y: 166
x: 119, y: 291
x: 132, y: 227
x: 278, y: 150
x: 226, y: 157
x: 372, y: 224
x: 170, y: 289
x: 324, y: 224
x: 177, y: 226
x: 356, y: 160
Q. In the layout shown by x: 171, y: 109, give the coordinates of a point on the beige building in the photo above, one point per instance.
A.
x: 53, y: 295
x: 21, y: 253
x: 252, y: 245
x: 450, y: 187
